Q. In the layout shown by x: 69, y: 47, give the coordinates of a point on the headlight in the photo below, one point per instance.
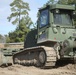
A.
x: 65, y: 43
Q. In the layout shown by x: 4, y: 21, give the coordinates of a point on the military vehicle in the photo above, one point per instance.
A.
x: 53, y: 40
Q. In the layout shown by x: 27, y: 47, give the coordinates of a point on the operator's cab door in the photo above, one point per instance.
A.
x: 43, y: 25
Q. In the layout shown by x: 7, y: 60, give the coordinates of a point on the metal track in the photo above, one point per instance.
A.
x: 49, y: 58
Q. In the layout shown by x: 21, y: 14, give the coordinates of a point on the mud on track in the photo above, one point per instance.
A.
x: 23, y: 70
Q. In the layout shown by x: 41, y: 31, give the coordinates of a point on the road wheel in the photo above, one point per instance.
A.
x: 41, y: 59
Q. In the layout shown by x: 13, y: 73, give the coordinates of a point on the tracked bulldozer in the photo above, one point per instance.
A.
x: 53, y: 40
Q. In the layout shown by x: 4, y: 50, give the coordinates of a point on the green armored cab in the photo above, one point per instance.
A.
x: 53, y: 40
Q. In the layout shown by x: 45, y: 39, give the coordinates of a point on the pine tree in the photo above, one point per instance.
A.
x: 19, y: 17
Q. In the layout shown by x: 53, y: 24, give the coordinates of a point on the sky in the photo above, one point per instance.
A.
x: 5, y: 26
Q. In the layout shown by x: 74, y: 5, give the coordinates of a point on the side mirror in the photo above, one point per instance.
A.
x: 56, y: 11
x: 74, y: 14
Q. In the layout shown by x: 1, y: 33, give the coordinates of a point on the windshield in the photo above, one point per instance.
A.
x: 62, y: 18
x: 43, y: 18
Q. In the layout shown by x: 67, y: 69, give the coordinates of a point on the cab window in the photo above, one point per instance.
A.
x: 44, y: 18
x: 62, y: 18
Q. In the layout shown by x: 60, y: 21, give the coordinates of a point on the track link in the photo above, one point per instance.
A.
x: 40, y: 56
x: 51, y: 57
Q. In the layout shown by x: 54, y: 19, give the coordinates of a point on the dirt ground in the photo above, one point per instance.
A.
x: 23, y: 70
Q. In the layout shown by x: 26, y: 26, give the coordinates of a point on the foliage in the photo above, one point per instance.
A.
x: 7, y: 38
x: 51, y: 2
x: 21, y: 18
x: 2, y: 39
x: 20, y: 33
x: 18, y: 9
x: 1, y: 36
x: 63, y: 1
x: 67, y: 1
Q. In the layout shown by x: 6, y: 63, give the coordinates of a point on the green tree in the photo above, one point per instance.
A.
x: 50, y: 2
x: 67, y: 1
x: 22, y: 29
x: 63, y: 1
x: 18, y: 9
x: 71, y: 1
x: 20, y: 17
x: 2, y: 39
x: 0, y: 36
